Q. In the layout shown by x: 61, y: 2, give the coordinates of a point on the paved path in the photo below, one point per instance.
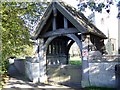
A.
x: 21, y: 83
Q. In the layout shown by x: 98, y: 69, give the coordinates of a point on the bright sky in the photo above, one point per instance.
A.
x: 75, y: 2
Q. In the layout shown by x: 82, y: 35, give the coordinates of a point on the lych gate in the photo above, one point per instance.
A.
x: 61, y: 26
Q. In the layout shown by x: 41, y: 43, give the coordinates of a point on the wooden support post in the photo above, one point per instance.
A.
x: 59, y: 47
x: 54, y: 16
x: 54, y: 23
x: 62, y: 47
x: 56, y: 48
x: 65, y: 23
x: 48, y: 50
x: 51, y: 48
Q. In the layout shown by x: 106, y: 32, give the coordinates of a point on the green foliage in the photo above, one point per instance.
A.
x: 95, y: 5
x: 28, y: 51
x: 15, y: 30
x: 14, y: 33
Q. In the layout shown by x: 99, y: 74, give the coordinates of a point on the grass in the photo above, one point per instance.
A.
x: 75, y: 61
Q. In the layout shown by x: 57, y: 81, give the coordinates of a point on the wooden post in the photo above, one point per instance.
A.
x: 65, y: 23
x: 56, y: 46
x: 54, y: 23
x: 51, y: 48
x: 54, y: 17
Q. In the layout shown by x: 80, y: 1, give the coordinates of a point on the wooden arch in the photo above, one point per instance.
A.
x: 71, y: 36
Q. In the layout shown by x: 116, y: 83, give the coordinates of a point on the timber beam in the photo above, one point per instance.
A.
x: 59, y: 32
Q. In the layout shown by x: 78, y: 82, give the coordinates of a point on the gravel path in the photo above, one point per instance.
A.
x: 21, y: 83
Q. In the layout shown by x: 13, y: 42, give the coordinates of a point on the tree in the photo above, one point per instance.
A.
x: 15, y: 28
x: 97, y: 5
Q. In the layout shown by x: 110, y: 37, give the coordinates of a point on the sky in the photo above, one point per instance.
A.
x: 75, y: 2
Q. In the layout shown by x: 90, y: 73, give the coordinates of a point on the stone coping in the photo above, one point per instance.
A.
x: 104, y: 58
x: 65, y: 66
x: 32, y: 59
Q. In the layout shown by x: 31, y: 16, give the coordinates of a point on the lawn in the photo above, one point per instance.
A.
x: 75, y: 60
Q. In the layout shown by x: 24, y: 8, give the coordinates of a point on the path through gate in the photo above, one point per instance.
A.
x: 59, y: 70
x: 64, y: 74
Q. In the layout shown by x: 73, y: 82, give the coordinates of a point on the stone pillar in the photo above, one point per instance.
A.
x: 85, y: 67
x: 42, y: 61
x: 32, y: 69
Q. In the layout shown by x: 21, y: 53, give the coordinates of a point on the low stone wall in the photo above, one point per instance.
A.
x: 102, y: 71
x: 20, y: 66
x: 102, y: 74
x: 16, y: 67
x: 32, y: 69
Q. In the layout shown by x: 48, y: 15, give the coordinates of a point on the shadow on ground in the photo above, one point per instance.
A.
x: 20, y: 82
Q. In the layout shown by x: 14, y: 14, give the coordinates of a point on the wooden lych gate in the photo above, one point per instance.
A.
x: 61, y: 26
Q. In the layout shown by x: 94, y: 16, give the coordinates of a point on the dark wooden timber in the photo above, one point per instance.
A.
x: 54, y: 16
x: 54, y: 23
x: 59, y: 32
x: 65, y: 23
x: 69, y: 16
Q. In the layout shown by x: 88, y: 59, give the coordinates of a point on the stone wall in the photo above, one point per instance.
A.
x: 32, y: 70
x: 20, y: 66
x: 16, y: 67
x: 102, y: 74
x: 102, y: 70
